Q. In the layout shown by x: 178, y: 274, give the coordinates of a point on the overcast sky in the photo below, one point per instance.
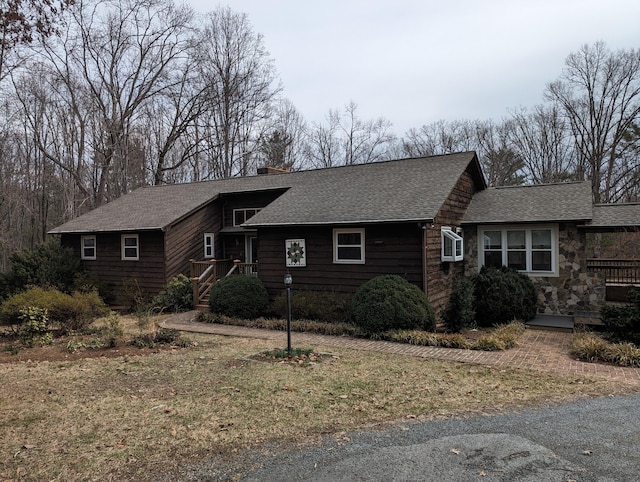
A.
x: 416, y: 62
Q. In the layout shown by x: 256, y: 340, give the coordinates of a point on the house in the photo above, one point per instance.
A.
x: 427, y: 219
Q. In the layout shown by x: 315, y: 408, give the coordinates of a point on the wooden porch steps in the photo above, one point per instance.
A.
x: 551, y: 323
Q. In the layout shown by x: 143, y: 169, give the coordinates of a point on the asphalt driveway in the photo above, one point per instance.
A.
x: 590, y: 440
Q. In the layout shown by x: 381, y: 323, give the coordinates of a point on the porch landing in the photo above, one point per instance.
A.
x: 551, y: 323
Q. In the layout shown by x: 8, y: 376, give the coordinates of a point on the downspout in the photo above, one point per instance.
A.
x: 424, y: 260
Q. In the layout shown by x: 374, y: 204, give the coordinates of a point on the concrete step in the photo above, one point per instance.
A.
x: 551, y: 323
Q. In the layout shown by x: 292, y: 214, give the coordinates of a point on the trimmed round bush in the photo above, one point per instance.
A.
x: 239, y: 296
x: 390, y: 302
x: 503, y: 295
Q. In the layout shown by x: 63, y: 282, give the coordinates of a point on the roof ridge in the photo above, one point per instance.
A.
x: 560, y: 183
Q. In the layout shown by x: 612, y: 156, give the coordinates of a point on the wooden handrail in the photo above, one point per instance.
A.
x: 204, y: 274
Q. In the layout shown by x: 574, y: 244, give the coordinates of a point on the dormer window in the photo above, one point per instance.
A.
x: 452, y: 245
x: 241, y: 216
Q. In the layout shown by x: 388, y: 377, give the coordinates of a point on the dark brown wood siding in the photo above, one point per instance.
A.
x: 389, y: 249
x: 185, y: 239
x: 147, y: 274
x: 441, y: 276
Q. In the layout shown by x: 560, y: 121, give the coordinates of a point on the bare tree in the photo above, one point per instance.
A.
x: 440, y: 137
x: 599, y: 93
x: 283, y: 144
x: 544, y: 142
x: 346, y: 139
x: 240, y: 85
x: 23, y: 21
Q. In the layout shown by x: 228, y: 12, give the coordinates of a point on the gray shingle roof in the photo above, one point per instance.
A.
x: 406, y: 190
x: 536, y: 203
x: 403, y: 190
x: 616, y: 215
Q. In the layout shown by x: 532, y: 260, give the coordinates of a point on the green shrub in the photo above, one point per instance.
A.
x: 503, y: 295
x: 34, y: 328
x: 389, y: 302
x: 323, y: 306
x: 178, y: 296
x: 70, y: 312
x: 623, y: 322
x: 48, y: 264
x: 239, y: 296
x: 460, y: 312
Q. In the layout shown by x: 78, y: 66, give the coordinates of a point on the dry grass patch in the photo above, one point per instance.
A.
x: 130, y: 417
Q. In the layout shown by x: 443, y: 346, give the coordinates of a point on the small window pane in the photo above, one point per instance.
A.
x: 492, y: 239
x: 459, y: 247
x: 541, y: 260
x: 348, y: 238
x: 130, y: 252
x: 493, y: 259
x: 516, y: 240
x: 448, y: 246
x: 348, y: 252
x: 541, y: 239
x: 131, y: 241
x: 517, y: 260
x: 238, y: 218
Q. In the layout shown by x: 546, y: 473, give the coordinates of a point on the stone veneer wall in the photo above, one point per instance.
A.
x: 574, y: 290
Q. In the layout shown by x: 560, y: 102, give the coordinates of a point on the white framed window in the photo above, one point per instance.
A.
x: 88, y: 247
x: 241, y: 216
x: 529, y: 249
x: 130, y: 247
x: 452, y: 245
x: 208, y: 246
x: 348, y: 246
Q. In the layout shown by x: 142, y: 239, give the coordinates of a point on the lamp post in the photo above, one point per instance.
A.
x: 288, y: 281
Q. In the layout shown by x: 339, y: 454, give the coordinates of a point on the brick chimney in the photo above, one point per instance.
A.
x: 272, y: 170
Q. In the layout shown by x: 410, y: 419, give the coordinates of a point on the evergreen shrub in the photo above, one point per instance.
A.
x: 48, y: 264
x: 176, y: 297
x: 623, y: 322
x: 503, y: 295
x: 239, y: 296
x: 390, y: 302
x: 460, y: 312
x: 323, y: 306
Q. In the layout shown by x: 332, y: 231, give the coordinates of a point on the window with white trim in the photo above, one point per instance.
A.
x: 530, y: 249
x: 88, y: 247
x: 348, y: 246
x: 130, y: 247
x: 208, y: 246
x: 452, y: 248
x: 241, y: 216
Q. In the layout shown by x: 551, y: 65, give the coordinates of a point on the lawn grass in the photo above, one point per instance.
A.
x: 130, y: 417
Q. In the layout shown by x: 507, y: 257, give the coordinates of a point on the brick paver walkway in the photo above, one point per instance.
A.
x: 538, y: 350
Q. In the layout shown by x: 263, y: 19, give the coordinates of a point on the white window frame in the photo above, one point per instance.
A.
x: 123, y: 248
x: 244, y: 217
x: 209, y: 245
x: 337, y: 246
x: 553, y: 228
x: 457, y: 245
x: 83, y: 254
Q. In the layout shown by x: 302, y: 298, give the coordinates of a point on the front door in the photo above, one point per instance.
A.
x: 252, y: 249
